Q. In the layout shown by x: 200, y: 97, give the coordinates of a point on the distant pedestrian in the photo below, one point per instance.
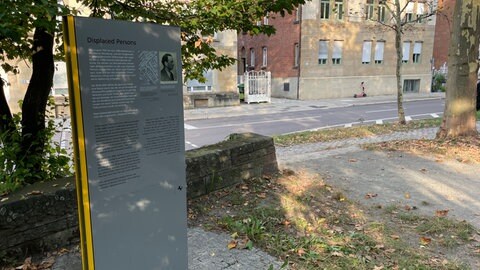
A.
x: 362, y: 91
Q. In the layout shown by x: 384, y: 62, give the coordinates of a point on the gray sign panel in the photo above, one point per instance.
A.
x: 131, y: 101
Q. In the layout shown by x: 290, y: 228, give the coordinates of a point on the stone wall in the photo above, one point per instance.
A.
x: 43, y: 216
x: 240, y: 157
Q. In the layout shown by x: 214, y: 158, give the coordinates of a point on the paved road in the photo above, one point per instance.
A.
x: 208, y: 131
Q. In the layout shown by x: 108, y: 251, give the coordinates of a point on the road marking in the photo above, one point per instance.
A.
x: 434, y: 115
x: 379, y: 122
x: 189, y: 126
x: 408, y: 118
x: 191, y: 144
x: 354, y: 123
x: 388, y: 110
x: 348, y: 125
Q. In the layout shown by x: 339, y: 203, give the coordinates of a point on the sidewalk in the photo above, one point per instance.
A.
x: 279, y: 105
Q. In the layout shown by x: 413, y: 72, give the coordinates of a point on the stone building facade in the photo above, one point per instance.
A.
x: 340, y: 45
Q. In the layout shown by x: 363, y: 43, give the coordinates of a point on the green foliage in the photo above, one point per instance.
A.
x: 15, y: 166
x: 199, y: 20
x: 439, y: 81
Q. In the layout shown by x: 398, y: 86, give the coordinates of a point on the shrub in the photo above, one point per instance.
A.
x: 15, y: 166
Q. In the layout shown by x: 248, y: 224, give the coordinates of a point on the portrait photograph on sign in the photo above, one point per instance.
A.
x: 168, y: 72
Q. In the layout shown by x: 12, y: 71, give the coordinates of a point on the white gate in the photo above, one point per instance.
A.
x: 257, y: 86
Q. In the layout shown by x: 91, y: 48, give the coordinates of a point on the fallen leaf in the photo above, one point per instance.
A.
x: 407, y: 195
x: 441, y: 213
x: 395, y: 237
x: 370, y: 195
x: 198, y: 43
x: 244, y: 244
x: 301, y: 251
x: 46, y: 264
x: 391, y: 250
x: 425, y: 240
x: 408, y: 207
x: 55, y: 185
x: 358, y: 227
x: 337, y: 254
x: 423, y: 170
x: 267, y: 177
x: 232, y: 244
x: 262, y: 195
x: 352, y: 160
x: 4, y: 199
x: 35, y: 192
x: 234, y: 235
x: 378, y: 267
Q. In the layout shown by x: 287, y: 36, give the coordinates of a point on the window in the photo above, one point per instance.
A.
x: 406, y: 51
x: 369, y: 10
x: 297, y: 14
x: 323, y: 52
x: 420, y: 11
x: 409, y: 12
x: 252, y: 57
x: 417, y: 51
x: 264, y: 56
x: 297, y: 55
x: 196, y: 86
x: 381, y: 12
x: 60, y: 85
x: 337, y: 52
x: 411, y: 86
x: 324, y: 9
x: 379, y: 49
x: 339, y: 9
x: 367, y: 52
x: 265, y: 19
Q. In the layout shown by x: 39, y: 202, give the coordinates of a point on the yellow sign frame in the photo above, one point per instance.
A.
x: 78, y: 138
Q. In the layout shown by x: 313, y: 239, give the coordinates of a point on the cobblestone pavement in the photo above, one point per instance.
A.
x: 206, y: 251
x: 302, y: 151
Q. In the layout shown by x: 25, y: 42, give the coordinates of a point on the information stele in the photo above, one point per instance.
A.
x: 128, y: 134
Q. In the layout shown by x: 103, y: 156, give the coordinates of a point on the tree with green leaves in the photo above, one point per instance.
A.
x: 401, y: 20
x: 31, y: 31
x: 459, y: 118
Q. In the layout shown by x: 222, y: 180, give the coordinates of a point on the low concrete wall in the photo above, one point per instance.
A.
x: 210, y: 99
x: 43, y: 216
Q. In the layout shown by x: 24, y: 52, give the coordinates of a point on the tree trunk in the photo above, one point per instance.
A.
x: 6, y: 124
x: 398, y: 69
x: 459, y: 118
x: 36, y: 98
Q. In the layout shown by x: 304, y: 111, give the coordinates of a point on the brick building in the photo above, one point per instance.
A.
x: 443, y: 31
x: 278, y: 53
x: 328, y: 48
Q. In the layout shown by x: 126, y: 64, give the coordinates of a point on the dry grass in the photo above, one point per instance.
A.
x: 461, y: 149
x: 324, y: 135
